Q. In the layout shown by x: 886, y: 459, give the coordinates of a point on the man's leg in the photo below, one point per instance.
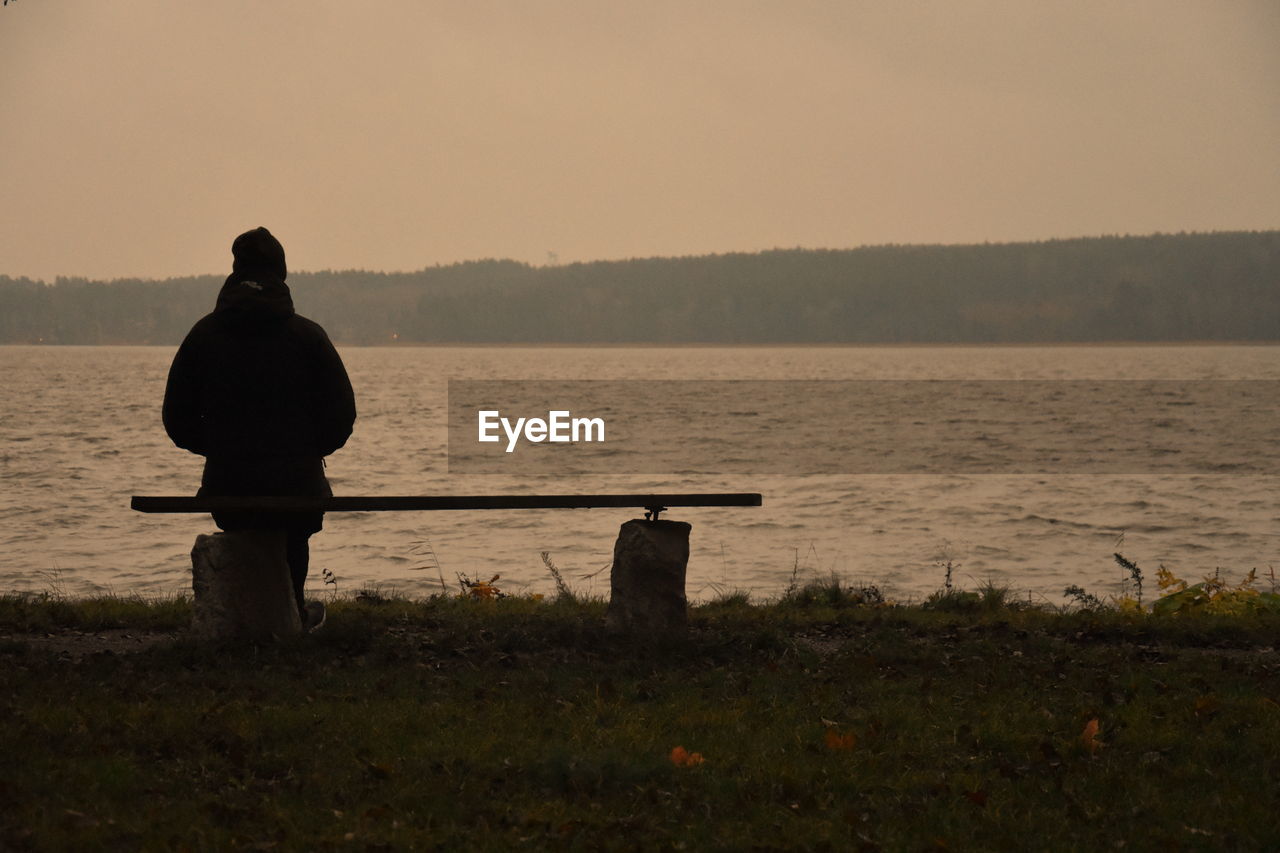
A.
x: 298, y: 555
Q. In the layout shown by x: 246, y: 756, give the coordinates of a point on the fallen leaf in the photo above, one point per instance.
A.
x: 681, y: 757
x: 834, y: 740
x: 978, y: 798
x: 1089, y: 737
x: 80, y: 818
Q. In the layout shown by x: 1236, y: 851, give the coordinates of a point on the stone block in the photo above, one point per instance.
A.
x: 646, y: 587
x: 242, y: 587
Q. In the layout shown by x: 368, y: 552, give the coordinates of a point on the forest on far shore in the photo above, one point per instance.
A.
x: 1167, y: 287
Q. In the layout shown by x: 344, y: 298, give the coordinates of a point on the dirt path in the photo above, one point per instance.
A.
x: 76, y: 644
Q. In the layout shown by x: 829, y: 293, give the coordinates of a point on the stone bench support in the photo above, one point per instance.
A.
x: 242, y: 587
x: 647, y: 582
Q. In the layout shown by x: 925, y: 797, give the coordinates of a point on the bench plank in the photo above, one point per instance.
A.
x: 403, y: 503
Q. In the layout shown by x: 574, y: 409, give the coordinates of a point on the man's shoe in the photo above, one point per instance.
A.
x: 313, y: 616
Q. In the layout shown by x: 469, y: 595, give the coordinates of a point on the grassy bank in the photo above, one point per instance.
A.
x: 810, y: 723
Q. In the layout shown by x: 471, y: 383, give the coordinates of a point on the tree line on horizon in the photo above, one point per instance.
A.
x: 1178, y: 287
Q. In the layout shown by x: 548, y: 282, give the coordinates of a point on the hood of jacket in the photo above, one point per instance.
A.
x: 253, y: 302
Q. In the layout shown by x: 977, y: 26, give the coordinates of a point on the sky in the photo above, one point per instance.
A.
x: 138, y: 137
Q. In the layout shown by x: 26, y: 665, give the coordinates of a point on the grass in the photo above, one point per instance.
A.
x: 47, y: 612
x: 824, y: 722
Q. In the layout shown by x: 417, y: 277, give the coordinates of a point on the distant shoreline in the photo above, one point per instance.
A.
x: 1183, y: 289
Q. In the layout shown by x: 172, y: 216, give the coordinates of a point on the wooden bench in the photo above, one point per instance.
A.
x: 411, y: 503
x: 241, y: 579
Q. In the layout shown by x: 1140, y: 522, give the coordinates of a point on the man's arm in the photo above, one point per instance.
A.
x: 181, y: 412
x: 336, y: 400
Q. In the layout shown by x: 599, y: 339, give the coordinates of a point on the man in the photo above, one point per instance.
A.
x: 261, y: 393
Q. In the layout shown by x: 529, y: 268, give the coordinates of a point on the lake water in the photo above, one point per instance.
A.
x: 80, y: 432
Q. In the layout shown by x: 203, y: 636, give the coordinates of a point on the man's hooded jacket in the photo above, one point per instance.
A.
x: 257, y: 389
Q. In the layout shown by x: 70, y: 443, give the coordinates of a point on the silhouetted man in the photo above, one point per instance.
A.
x: 261, y: 393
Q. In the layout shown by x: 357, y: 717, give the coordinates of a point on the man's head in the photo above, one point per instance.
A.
x: 258, y: 252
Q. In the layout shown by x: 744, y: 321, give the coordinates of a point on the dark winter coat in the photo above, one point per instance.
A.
x: 260, y: 392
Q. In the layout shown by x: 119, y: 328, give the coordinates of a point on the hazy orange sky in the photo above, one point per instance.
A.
x: 138, y: 137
